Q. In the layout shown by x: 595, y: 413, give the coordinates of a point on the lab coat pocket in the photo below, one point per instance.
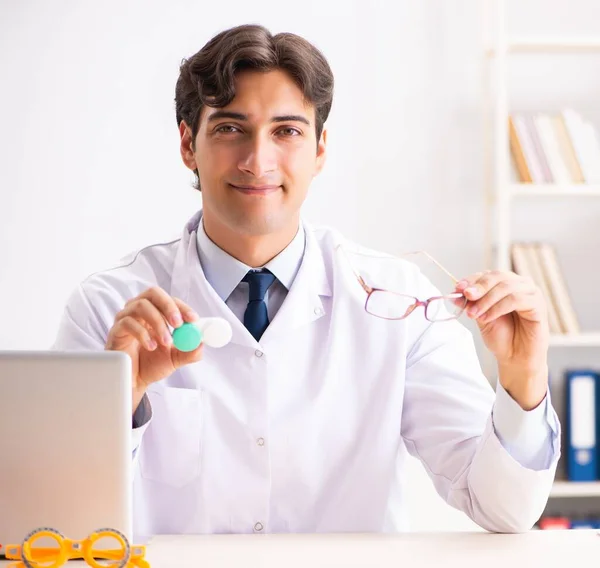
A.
x: 171, y: 449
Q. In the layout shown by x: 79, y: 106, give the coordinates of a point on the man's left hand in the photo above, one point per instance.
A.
x: 512, y: 315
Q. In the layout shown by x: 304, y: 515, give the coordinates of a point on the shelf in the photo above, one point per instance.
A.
x: 575, y: 489
x: 589, y: 339
x: 550, y: 45
x: 523, y: 45
x: 554, y: 190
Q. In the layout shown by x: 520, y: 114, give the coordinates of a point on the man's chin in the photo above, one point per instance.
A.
x: 258, y: 227
x: 258, y: 223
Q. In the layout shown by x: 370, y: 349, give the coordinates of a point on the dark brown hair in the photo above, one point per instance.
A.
x: 207, y: 78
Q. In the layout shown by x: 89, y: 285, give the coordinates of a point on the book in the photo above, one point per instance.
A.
x: 554, y: 147
x: 558, y: 288
x: 525, y: 263
x: 539, y: 261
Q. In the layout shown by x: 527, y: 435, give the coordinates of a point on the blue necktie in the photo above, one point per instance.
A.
x: 256, y: 318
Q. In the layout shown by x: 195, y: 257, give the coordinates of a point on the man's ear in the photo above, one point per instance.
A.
x: 321, y: 153
x: 186, y: 147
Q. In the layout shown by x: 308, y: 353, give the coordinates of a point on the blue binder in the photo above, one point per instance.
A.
x: 581, y: 431
x: 585, y: 524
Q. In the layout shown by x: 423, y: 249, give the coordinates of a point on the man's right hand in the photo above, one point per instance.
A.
x: 141, y: 331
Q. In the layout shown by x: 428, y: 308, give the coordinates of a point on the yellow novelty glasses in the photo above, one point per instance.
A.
x: 103, y: 548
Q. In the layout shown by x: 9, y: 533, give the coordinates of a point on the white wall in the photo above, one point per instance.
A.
x: 89, y: 144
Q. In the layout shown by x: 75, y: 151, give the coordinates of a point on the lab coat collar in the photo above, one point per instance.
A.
x: 224, y: 272
x: 301, y: 306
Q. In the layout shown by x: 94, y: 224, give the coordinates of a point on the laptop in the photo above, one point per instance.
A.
x: 65, y: 443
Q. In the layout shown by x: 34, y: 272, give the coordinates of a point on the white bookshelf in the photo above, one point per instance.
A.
x: 549, y: 45
x: 502, y: 193
x: 575, y: 489
x: 518, y: 190
x: 586, y: 339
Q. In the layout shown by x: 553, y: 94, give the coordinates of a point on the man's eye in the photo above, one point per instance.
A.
x: 289, y: 131
x: 226, y: 128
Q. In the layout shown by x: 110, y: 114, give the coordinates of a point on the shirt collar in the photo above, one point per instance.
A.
x: 224, y: 272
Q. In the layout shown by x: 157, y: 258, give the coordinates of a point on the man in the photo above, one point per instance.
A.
x: 303, y: 422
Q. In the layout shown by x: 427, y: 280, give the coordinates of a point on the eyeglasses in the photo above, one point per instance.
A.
x: 102, y: 545
x: 391, y: 305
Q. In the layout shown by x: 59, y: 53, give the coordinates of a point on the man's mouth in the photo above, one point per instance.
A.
x: 256, y: 189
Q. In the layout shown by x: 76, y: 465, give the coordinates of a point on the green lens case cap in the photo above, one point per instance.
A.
x: 187, y: 337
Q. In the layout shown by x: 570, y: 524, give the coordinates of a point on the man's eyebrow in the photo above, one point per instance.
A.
x: 227, y: 114
x: 291, y: 118
x: 242, y: 117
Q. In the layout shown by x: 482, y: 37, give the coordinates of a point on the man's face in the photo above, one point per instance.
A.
x: 257, y: 156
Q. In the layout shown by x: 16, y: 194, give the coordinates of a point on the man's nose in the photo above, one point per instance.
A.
x: 259, y: 157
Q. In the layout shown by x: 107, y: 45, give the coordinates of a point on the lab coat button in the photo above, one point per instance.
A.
x: 318, y: 311
x: 260, y: 441
x: 258, y: 527
x: 258, y: 353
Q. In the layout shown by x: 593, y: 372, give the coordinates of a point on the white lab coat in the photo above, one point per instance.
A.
x: 309, y: 430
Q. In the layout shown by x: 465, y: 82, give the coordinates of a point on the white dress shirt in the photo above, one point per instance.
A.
x: 225, y: 273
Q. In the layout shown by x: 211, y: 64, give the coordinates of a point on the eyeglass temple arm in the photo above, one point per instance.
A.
x: 432, y: 260
x: 368, y: 288
x: 365, y: 287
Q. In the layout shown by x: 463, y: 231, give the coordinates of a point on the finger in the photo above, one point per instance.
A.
x: 181, y: 358
x: 469, y: 280
x: 486, y: 282
x: 512, y: 303
x: 459, y: 301
x: 189, y: 315
x: 128, y: 326
x: 146, y: 312
x: 165, y: 304
x: 499, y: 291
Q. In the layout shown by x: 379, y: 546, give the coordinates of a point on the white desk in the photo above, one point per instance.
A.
x: 440, y: 550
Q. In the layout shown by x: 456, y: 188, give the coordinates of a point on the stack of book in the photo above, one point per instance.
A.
x: 557, y: 148
x: 539, y: 262
x: 557, y: 523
